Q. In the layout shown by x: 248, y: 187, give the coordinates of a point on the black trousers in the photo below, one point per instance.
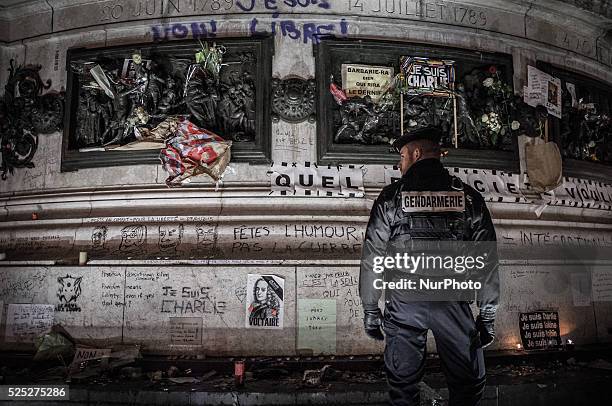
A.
x: 406, y: 325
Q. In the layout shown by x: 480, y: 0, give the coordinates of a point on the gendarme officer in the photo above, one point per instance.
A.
x: 395, y: 220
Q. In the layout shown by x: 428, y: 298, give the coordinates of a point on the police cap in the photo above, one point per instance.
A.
x: 427, y: 133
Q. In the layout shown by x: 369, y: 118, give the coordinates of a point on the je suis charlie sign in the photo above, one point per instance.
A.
x: 427, y: 76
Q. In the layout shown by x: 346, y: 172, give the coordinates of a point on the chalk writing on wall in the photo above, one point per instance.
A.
x: 25, y: 322
x: 206, y: 240
x: 286, y: 140
x: 98, y: 238
x: 170, y: 238
x: 22, y: 287
x: 542, y: 238
x: 133, y: 239
x: 111, y: 289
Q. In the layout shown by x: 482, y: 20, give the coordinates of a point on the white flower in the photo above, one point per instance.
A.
x: 515, y: 125
x: 488, y: 82
x: 493, y: 116
x: 484, y: 118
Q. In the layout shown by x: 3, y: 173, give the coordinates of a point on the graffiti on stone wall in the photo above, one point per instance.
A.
x: 126, y: 10
x: 133, y: 239
x: 338, y: 285
x: 240, y: 294
x: 206, y: 240
x: 298, y: 239
x: 522, y: 237
x: 191, y: 300
x: 112, y: 290
x: 23, y: 286
x: 98, y: 238
x: 305, y: 32
x: 170, y: 238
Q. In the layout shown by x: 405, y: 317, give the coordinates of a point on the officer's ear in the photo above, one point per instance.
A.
x: 417, y: 152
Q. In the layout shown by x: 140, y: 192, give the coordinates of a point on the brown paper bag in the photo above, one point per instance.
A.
x: 544, y: 167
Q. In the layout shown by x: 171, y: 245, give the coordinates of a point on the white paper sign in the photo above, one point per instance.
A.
x: 365, y: 80
x: 602, y: 285
x: 351, y: 182
x: 25, y: 322
x: 307, y: 181
x: 88, y: 354
x: 543, y: 89
x: 317, y: 325
x: 392, y: 174
x: 282, y: 179
x: 330, y: 181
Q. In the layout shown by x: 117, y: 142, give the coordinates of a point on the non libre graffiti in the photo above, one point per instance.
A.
x: 287, y: 28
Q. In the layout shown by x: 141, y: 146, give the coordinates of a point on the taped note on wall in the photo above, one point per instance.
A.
x: 317, y: 326
x: 25, y: 322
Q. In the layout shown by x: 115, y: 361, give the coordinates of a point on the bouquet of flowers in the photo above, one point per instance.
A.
x: 493, y: 107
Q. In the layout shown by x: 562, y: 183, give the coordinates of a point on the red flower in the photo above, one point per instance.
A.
x: 492, y: 69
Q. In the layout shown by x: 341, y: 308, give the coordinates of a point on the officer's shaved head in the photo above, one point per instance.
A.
x: 417, y: 150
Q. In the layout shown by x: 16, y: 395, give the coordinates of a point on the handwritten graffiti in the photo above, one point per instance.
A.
x: 190, y: 300
x: 179, y: 31
x: 298, y: 31
x: 68, y: 293
x: 133, y: 239
x: 249, y: 5
x: 123, y: 10
x: 98, y: 238
x: 206, y: 239
x: 170, y: 238
x: 240, y: 294
x: 304, y: 32
x: 339, y: 285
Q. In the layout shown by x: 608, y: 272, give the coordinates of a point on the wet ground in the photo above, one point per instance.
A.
x: 556, y: 378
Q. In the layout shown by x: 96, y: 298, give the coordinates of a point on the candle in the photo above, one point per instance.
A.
x: 82, y: 257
